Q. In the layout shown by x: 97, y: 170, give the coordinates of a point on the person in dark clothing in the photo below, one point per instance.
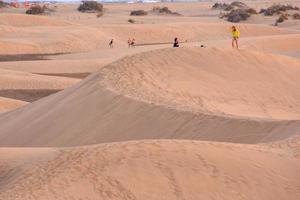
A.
x: 111, y: 43
x: 176, y: 43
x: 132, y: 43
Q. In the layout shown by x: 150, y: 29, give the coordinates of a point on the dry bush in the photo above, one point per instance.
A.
x: 138, y: 13
x: 238, y: 15
x: 296, y: 16
x: 220, y: 6
x: 163, y: 10
x: 238, y: 4
x: 229, y: 7
x: 281, y: 19
x: 131, y: 21
x: 35, y: 10
x: 277, y: 9
x: 90, y: 6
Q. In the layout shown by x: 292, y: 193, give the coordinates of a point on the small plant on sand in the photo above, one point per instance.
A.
x: 138, y: 13
x: 296, y: 16
x: 35, y: 10
x: 281, y: 19
x: 131, y: 21
x: 90, y: 7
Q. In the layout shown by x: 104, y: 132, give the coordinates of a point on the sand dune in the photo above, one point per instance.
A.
x: 7, y: 104
x: 151, y: 170
x: 22, y: 80
x: 31, y: 87
x: 141, y: 94
x: 21, y: 20
x: 208, y: 83
x: 274, y: 44
x: 54, y: 66
x: 187, y: 123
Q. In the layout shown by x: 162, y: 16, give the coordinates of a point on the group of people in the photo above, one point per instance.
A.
x: 131, y: 43
x: 235, y: 40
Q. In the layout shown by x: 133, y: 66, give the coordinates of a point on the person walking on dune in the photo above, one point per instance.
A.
x: 235, y: 37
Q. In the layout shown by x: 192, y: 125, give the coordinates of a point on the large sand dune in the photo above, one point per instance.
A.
x: 189, y: 93
x: 151, y: 170
x: 186, y: 123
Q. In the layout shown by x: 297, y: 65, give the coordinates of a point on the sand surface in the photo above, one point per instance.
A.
x: 152, y: 169
x: 80, y: 120
x: 7, y: 104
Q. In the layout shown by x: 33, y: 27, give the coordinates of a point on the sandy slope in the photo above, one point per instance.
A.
x: 7, y: 104
x: 214, y: 94
x: 22, y: 80
x: 21, y: 20
x: 55, y: 66
x: 151, y: 170
x: 143, y: 96
x: 201, y: 80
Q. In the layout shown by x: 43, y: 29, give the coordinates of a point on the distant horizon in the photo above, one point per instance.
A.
x: 128, y: 1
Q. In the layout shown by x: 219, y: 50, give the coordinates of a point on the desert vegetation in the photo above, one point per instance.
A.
x: 239, y: 15
x: 163, y: 10
x: 282, y: 11
x: 39, y: 10
x: 138, y: 13
x: 296, y: 16
x: 285, y: 16
x: 155, y: 10
x: 91, y: 7
x: 282, y: 18
x: 236, y: 11
x: 132, y: 21
x: 36, y: 10
x: 277, y: 9
x: 229, y: 7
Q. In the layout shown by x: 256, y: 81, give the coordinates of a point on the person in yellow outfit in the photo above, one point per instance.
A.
x: 235, y: 37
